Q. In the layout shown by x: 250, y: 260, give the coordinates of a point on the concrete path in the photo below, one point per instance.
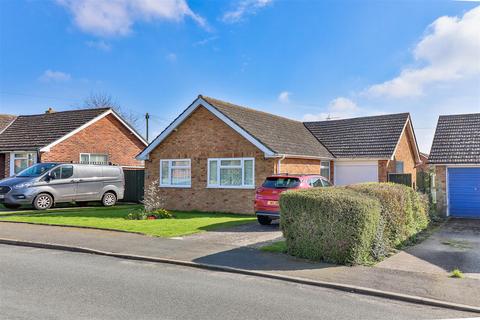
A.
x: 236, y: 247
x: 455, y: 245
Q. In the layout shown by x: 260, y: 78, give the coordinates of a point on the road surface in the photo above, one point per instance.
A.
x: 49, y: 284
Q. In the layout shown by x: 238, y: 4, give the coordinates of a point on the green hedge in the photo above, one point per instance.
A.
x: 351, y: 225
x: 331, y: 224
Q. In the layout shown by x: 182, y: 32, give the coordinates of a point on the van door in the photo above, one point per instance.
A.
x: 62, y: 183
x: 89, y: 183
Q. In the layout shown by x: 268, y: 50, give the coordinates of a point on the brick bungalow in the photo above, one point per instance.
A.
x: 214, y: 154
x: 86, y: 136
x: 455, y: 155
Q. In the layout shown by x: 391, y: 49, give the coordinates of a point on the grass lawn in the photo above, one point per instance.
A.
x: 276, y: 247
x: 184, y: 223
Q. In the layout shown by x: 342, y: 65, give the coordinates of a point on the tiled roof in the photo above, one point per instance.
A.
x: 457, y: 140
x: 5, y: 120
x: 365, y: 137
x: 281, y: 135
x: 33, y: 132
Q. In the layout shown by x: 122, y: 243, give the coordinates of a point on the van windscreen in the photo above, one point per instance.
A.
x: 281, y: 182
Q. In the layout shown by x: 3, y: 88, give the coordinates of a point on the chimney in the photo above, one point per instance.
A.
x: 50, y: 110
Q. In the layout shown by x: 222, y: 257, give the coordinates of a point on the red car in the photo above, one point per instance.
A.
x: 266, y: 197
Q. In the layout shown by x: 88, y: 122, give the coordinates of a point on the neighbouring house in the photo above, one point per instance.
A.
x: 455, y: 155
x: 98, y: 136
x: 214, y: 154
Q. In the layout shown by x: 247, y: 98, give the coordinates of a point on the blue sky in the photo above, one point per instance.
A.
x: 305, y: 60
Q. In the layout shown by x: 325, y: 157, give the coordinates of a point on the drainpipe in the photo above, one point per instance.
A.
x: 279, y: 165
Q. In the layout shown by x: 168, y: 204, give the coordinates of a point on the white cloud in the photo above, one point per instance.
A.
x: 172, y: 57
x: 116, y: 17
x: 338, y: 108
x: 284, y: 97
x: 243, y: 8
x: 54, y: 76
x: 100, y: 45
x: 450, y: 51
x: 205, y: 41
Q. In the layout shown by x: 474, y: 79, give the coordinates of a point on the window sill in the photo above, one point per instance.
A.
x: 173, y: 186
x: 232, y: 187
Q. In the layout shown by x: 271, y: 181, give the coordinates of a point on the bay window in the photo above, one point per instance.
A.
x: 93, y: 158
x: 231, y: 173
x: 325, y: 169
x: 21, y: 160
x: 175, y: 173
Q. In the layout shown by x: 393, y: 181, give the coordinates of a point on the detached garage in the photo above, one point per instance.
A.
x: 455, y: 154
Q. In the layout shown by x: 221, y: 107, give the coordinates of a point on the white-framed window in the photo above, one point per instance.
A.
x: 21, y: 160
x: 399, y: 166
x: 175, y: 173
x: 325, y: 169
x: 231, y: 173
x: 93, y: 158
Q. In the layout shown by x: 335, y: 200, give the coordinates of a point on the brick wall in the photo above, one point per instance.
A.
x: 3, y: 169
x: 106, y: 136
x: 405, y: 153
x: 199, y: 137
x: 294, y: 165
x: 441, y: 189
x: 7, y: 164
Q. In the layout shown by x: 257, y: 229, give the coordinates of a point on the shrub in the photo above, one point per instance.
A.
x: 153, y: 200
x: 141, y: 214
x: 331, y: 224
x: 404, y: 211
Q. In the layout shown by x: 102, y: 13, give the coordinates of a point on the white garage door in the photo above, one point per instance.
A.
x: 348, y: 172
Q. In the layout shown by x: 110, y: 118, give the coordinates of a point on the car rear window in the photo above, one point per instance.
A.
x: 281, y: 182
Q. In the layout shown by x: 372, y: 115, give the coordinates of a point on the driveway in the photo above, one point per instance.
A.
x: 455, y: 245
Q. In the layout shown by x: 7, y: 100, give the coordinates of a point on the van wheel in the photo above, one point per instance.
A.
x: 43, y: 201
x: 109, y: 199
x: 11, y: 206
x: 264, y: 220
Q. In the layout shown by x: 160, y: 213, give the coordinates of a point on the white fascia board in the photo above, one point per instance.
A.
x: 144, y: 155
x: 408, y: 124
x: 359, y: 159
x: 89, y: 123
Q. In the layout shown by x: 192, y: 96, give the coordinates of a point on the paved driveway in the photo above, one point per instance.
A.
x: 455, y: 245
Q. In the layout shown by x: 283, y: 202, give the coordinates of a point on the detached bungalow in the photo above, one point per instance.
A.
x: 97, y: 136
x: 455, y: 154
x: 214, y: 154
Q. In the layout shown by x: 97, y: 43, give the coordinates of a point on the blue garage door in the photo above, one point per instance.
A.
x: 464, y: 192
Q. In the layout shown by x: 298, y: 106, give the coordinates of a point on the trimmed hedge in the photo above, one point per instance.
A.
x: 331, y: 224
x: 357, y: 224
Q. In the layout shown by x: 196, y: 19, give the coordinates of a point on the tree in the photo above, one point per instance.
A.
x: 102, y: 100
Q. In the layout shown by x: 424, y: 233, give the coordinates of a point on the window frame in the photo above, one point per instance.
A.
x: 89, y: 156
x: 325, y: 167
x: 170, y: 168
x: 242, y: 166
x: 26, y: 157
x: 402, y: 163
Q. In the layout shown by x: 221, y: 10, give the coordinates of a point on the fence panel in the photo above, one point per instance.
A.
x: 401, y: 178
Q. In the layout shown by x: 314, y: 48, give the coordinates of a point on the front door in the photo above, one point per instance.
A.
x: 63, y: 184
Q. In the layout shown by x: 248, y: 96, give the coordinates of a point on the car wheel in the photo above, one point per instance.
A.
x: 11, y: 206
x: 43, y: 201
x: 109, y: 199
x: 264, y: 220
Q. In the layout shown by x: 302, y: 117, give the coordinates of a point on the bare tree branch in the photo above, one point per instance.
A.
x: 102, y: 100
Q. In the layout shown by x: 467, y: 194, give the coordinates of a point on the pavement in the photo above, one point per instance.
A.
x: 50, y: 284
x: 238, y: 248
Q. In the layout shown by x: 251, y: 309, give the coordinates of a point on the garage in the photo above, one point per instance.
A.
x: 464, y: 192
x: 348, y: 172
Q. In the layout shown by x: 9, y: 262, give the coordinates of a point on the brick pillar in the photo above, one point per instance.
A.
x: 441, y: 189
